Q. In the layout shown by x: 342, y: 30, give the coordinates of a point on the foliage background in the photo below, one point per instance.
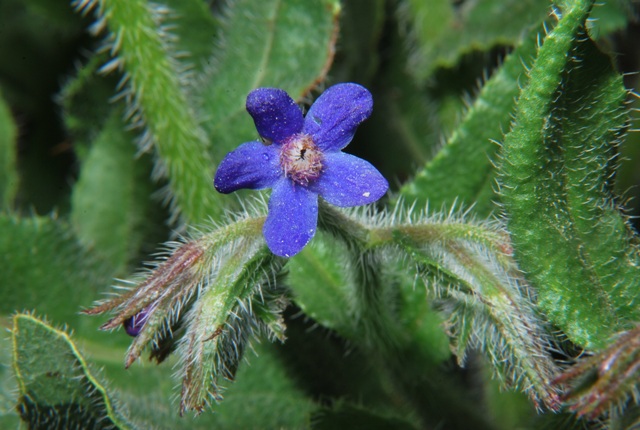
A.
x: 113, y: 115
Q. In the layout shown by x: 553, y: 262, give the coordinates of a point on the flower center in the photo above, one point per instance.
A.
x: 301, y: 159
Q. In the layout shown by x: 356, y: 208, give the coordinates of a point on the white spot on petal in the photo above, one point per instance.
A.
x: 366, y: 194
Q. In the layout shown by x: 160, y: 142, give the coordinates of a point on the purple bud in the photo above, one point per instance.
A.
x: 134, y: 324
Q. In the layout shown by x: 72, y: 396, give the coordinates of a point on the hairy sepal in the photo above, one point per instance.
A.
x: 603, y: 384
x: 222, y: 322
x: 489, y: 308
x: 468, y: 267
x: 207, y: 297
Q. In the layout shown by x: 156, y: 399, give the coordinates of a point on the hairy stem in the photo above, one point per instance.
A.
x: 157, y: 102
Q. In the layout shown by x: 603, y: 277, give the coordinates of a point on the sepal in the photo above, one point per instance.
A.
x: 488, y: 305
x: 468, y: 268
x: 603, y: 383
x: 206, y: 299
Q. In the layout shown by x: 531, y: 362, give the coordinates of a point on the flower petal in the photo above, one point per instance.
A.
x: 252, y: 165
x: 275, y: 114
x: 347, y: 180
x: 292, y: 218
x: 333, y: 118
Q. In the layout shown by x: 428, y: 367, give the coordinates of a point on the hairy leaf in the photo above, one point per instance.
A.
x: 464, y: 163
x: 9, y: 417
x: 45, y: 268
x: 57, y: 387
x: 111, y: 201
x: 445, y: 30
x: 556, y: 179
x: 321, y: 285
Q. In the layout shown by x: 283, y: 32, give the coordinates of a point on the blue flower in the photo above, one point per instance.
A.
x: 301, y: 158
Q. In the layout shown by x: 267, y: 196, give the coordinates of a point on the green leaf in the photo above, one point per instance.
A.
x: 85, y: 100
x: 59, y: 15
x: 420, y: 319
x: 321, y: 285
x: 111, y: 203
x: 8, y: 387
x: 57, y: 387
x: 346, y: 416
x: 270, y: 43
x: 196, y: 29
x: 148, y: 391
x: 557, y: 180
x: 264, y: 393
x: 37, y: 48
x: 464, y: 163
x: 45, y: 268
x: 35, y: 38
x: 444, y: 30
x: 8, y: 150
x: 509, y: 409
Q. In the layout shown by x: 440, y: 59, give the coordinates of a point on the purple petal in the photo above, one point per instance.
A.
x: 292, y: 218
x: 252, y: 165
x: 347, y: 180
x: 275, y: 114
x: 333, y: 118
